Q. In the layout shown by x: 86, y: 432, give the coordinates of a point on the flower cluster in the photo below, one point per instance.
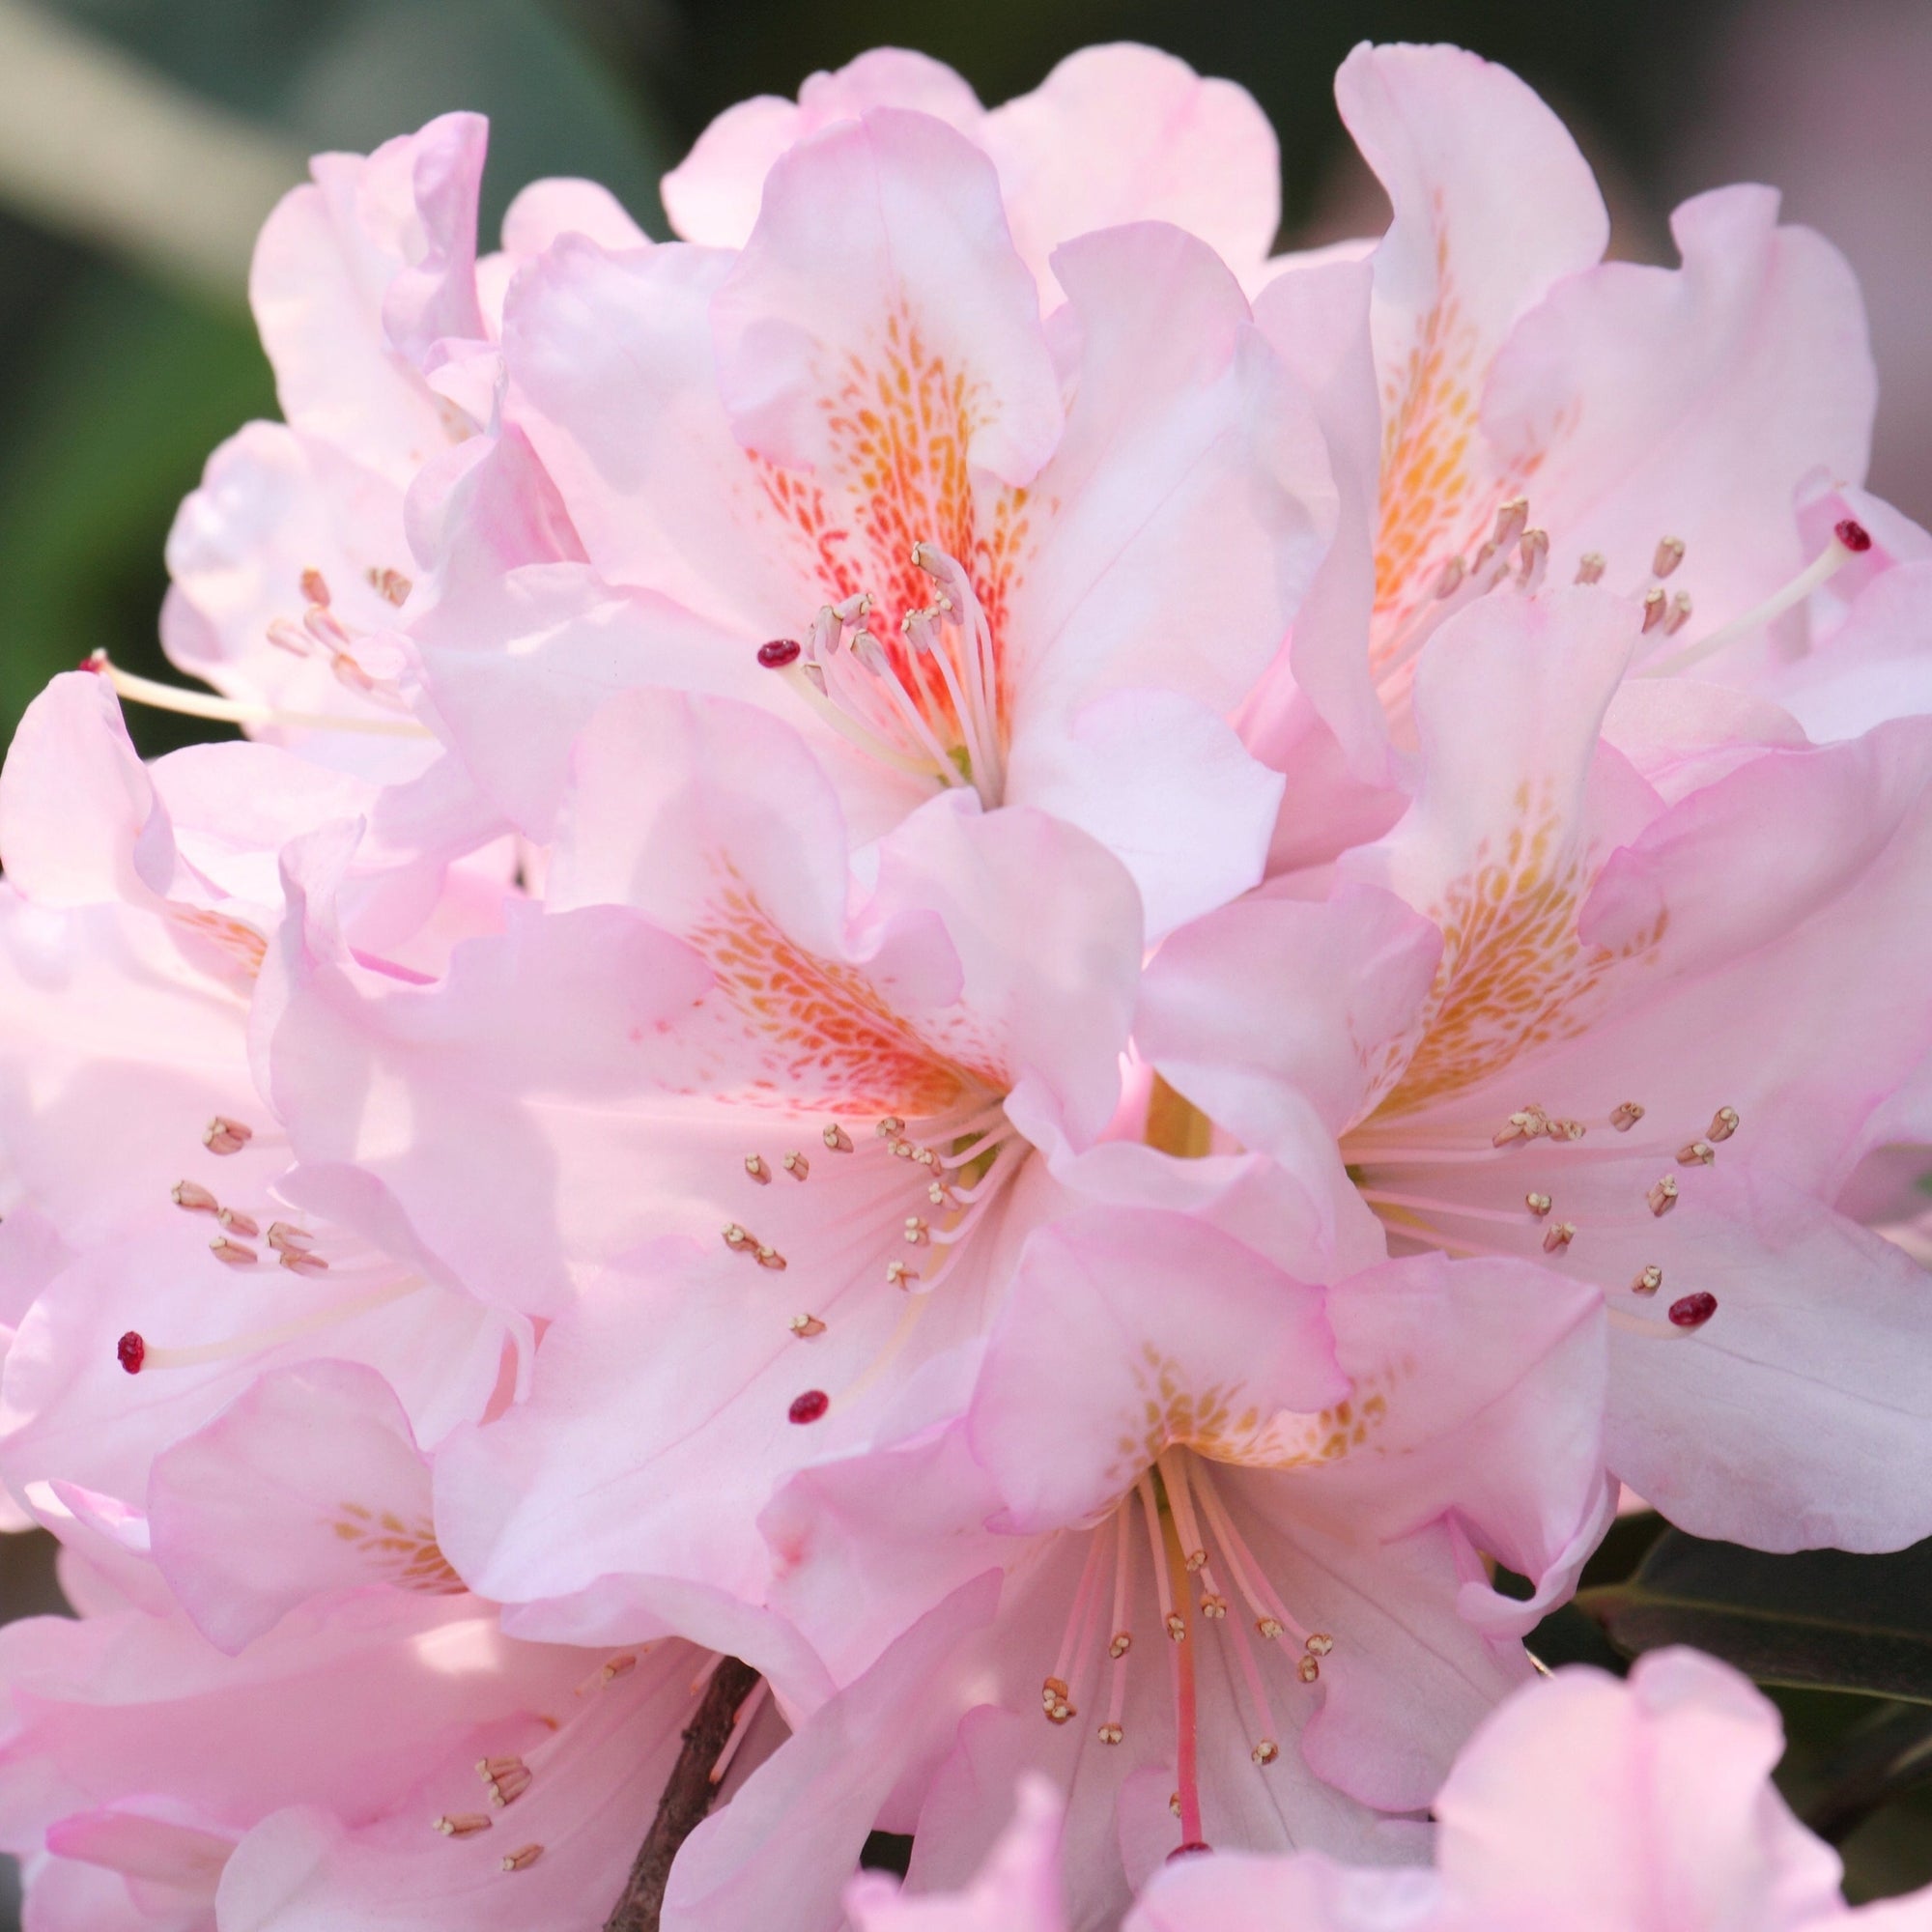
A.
x: 987, y: 982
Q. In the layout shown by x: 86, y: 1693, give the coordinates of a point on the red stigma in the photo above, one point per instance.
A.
x: 811, y: 1405
x: 1193, y: 1848
x: 130, y: 1351
x: 779, y: 653
x: 94, y: 660
x: 1852, y: 535
x: 1693, y: 1311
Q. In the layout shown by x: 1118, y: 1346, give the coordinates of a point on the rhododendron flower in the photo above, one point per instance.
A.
x: 847, y: 472
x: 1560, y: 1013
x: 1584, y: 1803
x: 1239, y: 1520
x: 1529, y: 410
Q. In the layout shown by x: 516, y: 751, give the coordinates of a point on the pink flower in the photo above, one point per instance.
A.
x: 1527, y: 409
x: 1584, y: 1803
x: 1113, y: 134
x: 849, y: 474
x: 1639, y: 1030
x: 1238, y: 1518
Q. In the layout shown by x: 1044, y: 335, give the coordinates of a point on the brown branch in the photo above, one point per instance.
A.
x: 687, y: 1797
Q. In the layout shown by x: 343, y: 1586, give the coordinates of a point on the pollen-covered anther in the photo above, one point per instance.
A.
x: 1317, y: 1643
x: 621, y: 1666
x: 239, y: 1223
x: 1308, y: 1669
x: 738, y: 1238
x: 889, y: 1128
x: 898, y: 1274
x: 916, y: 1230
x: 1662, y: 1194
x: 1626, y: 1117
x: 837, y: 1139
x: 940, y: 1195
x: 1177, y: 1627
x: 1268, y: 1626
x: 1212, y: 1607
x: 1724, y: 1124
x: 1267, y: 1752
x: 1655, y: 603
x: 1697, y: 1153
x: 222, y: 1135
x: 507, y: 1778
x: 1534, y: 549
x: 1566, y: 1131
x: 1526, y: 1124
x: 1558, y: 1235
x: 1537, y: 1204
x: 285, y: 1237
x: 461, y: 1824
x: 754, y: 1166
x: 1590, y: 567
x: 1449, y: 579
x: 806, y: 1326
x: 1668, y: 555
x: 194, y: 1197
x: 797, y: 1166
x: 522, y: 1857
x: 298, y: 1261
x: 1512, y: 520
x: 1110, y: 1734
x: 233, y: 1253
x: 1680, y: 613
x: 1197, y: 1559
x: 770, y: 1258
x: 1121, y: 1643
x: 391, y: 586
x: 1647, y: 1280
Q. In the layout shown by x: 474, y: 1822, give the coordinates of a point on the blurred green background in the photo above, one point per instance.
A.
x: 126, y: 351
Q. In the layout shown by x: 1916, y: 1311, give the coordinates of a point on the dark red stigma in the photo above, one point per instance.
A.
x: 1193, y: 1848
x: 130, y: 1351
x: 781, y: 651
x: 94, y: 660
x: 1852, y: 535
x: 1695, y: 1310
x: 811, y: 1405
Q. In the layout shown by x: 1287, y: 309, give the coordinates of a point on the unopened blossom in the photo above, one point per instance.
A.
x: 1639, y: 1029
x: 849, y: 474
x: 1585, y: 1802
x: 1502, y: 406
x: 1239, y: 1520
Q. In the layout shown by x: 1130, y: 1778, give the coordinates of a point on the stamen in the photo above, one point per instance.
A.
x: 1648, y: 1280
x: 1174, y: 1477
x: 806, y: 1326
x: 1656, y: 603
x: 797, y: 1166
x: 146, y: 691
x: 740, y: 1725
x: 1558, y: 1235
x: 194, y: 1197
x: 1724, y: 1124
x: 522, y: 1857
x: 1590, y: 567
x: 1626, y: 1117
x: 508, y: 1778
x: 1680, y: 613
x: 238, y: 1223
x: 224, y: 1136
x: 1697, y: 1153
x: 1449, y: 578
x: 754, y: 1166
x: 1668, y: 555
x: 1849, y: 539
x: 1535, y: 550
x: 1538, y: 1205
x: 837, y: 1139
x: 461, y: 1824
x: 1663, y: 1195
x: 1186, y: 1724
x: 231, y: 1252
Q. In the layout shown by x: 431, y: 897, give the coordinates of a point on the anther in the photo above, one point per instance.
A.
x: 1177, y: 1625
x: 463, y: 1825
x: 1512, y: 520
x: 193, y: 1197
x: 1268, y: 1626
x: 1535, y: 550
x: 1663, y: 1195
x: 1110, y: 1734
x: 130, y: 1351
x: 1449, y: 579
x: 806, y: 1326
x: 889, y: 1128
x: 1307, y: 1669
x: 1680, y: 613
x: 1566, y: 1131
x: 754, y: 1166
x: 1693, y: 1311
x: 1266, y: 1753
x: 231, y: 1252
x: 1196, y: 1560
x: 621, y: 1666
x: 298, y: 1261
x: 1524, y: 1124
x: 1626, y: 1117
x: 285, y: 1237
x: 779, y: 653
x: 1558, y: 1235
x: 1697, y: 1153
x: 225, y: 1136
x: 1656, y: 603
x: 508, y: 1779
x: 391, y: 586
x: 1647, y: 1280
x: 522, y: 1857
x: 1669, y: 555
x: 1537, y: 1204
x: 898, y: 1274
x: 915, y: 1230
x: 837, y: 1139
x: 810, y: 1407
x: 737, y: 1238
x: 1590, y: 567
x: 1213, y: 1607
x: 797, y: 1166
x: 314, y: 586
x: 770, y: 1258
x: 1317, y: 1643
x: 1854, y: 535
x: 1122, y: 1641
x: 1724, y: 1124
x: 239, y: 1223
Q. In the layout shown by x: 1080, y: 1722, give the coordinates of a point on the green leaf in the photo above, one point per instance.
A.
x: 1820, y: 1618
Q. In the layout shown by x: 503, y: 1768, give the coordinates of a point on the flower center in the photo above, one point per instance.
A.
x: 926, y: 704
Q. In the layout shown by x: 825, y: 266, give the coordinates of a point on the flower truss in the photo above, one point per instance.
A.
x: 992, y: 1004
